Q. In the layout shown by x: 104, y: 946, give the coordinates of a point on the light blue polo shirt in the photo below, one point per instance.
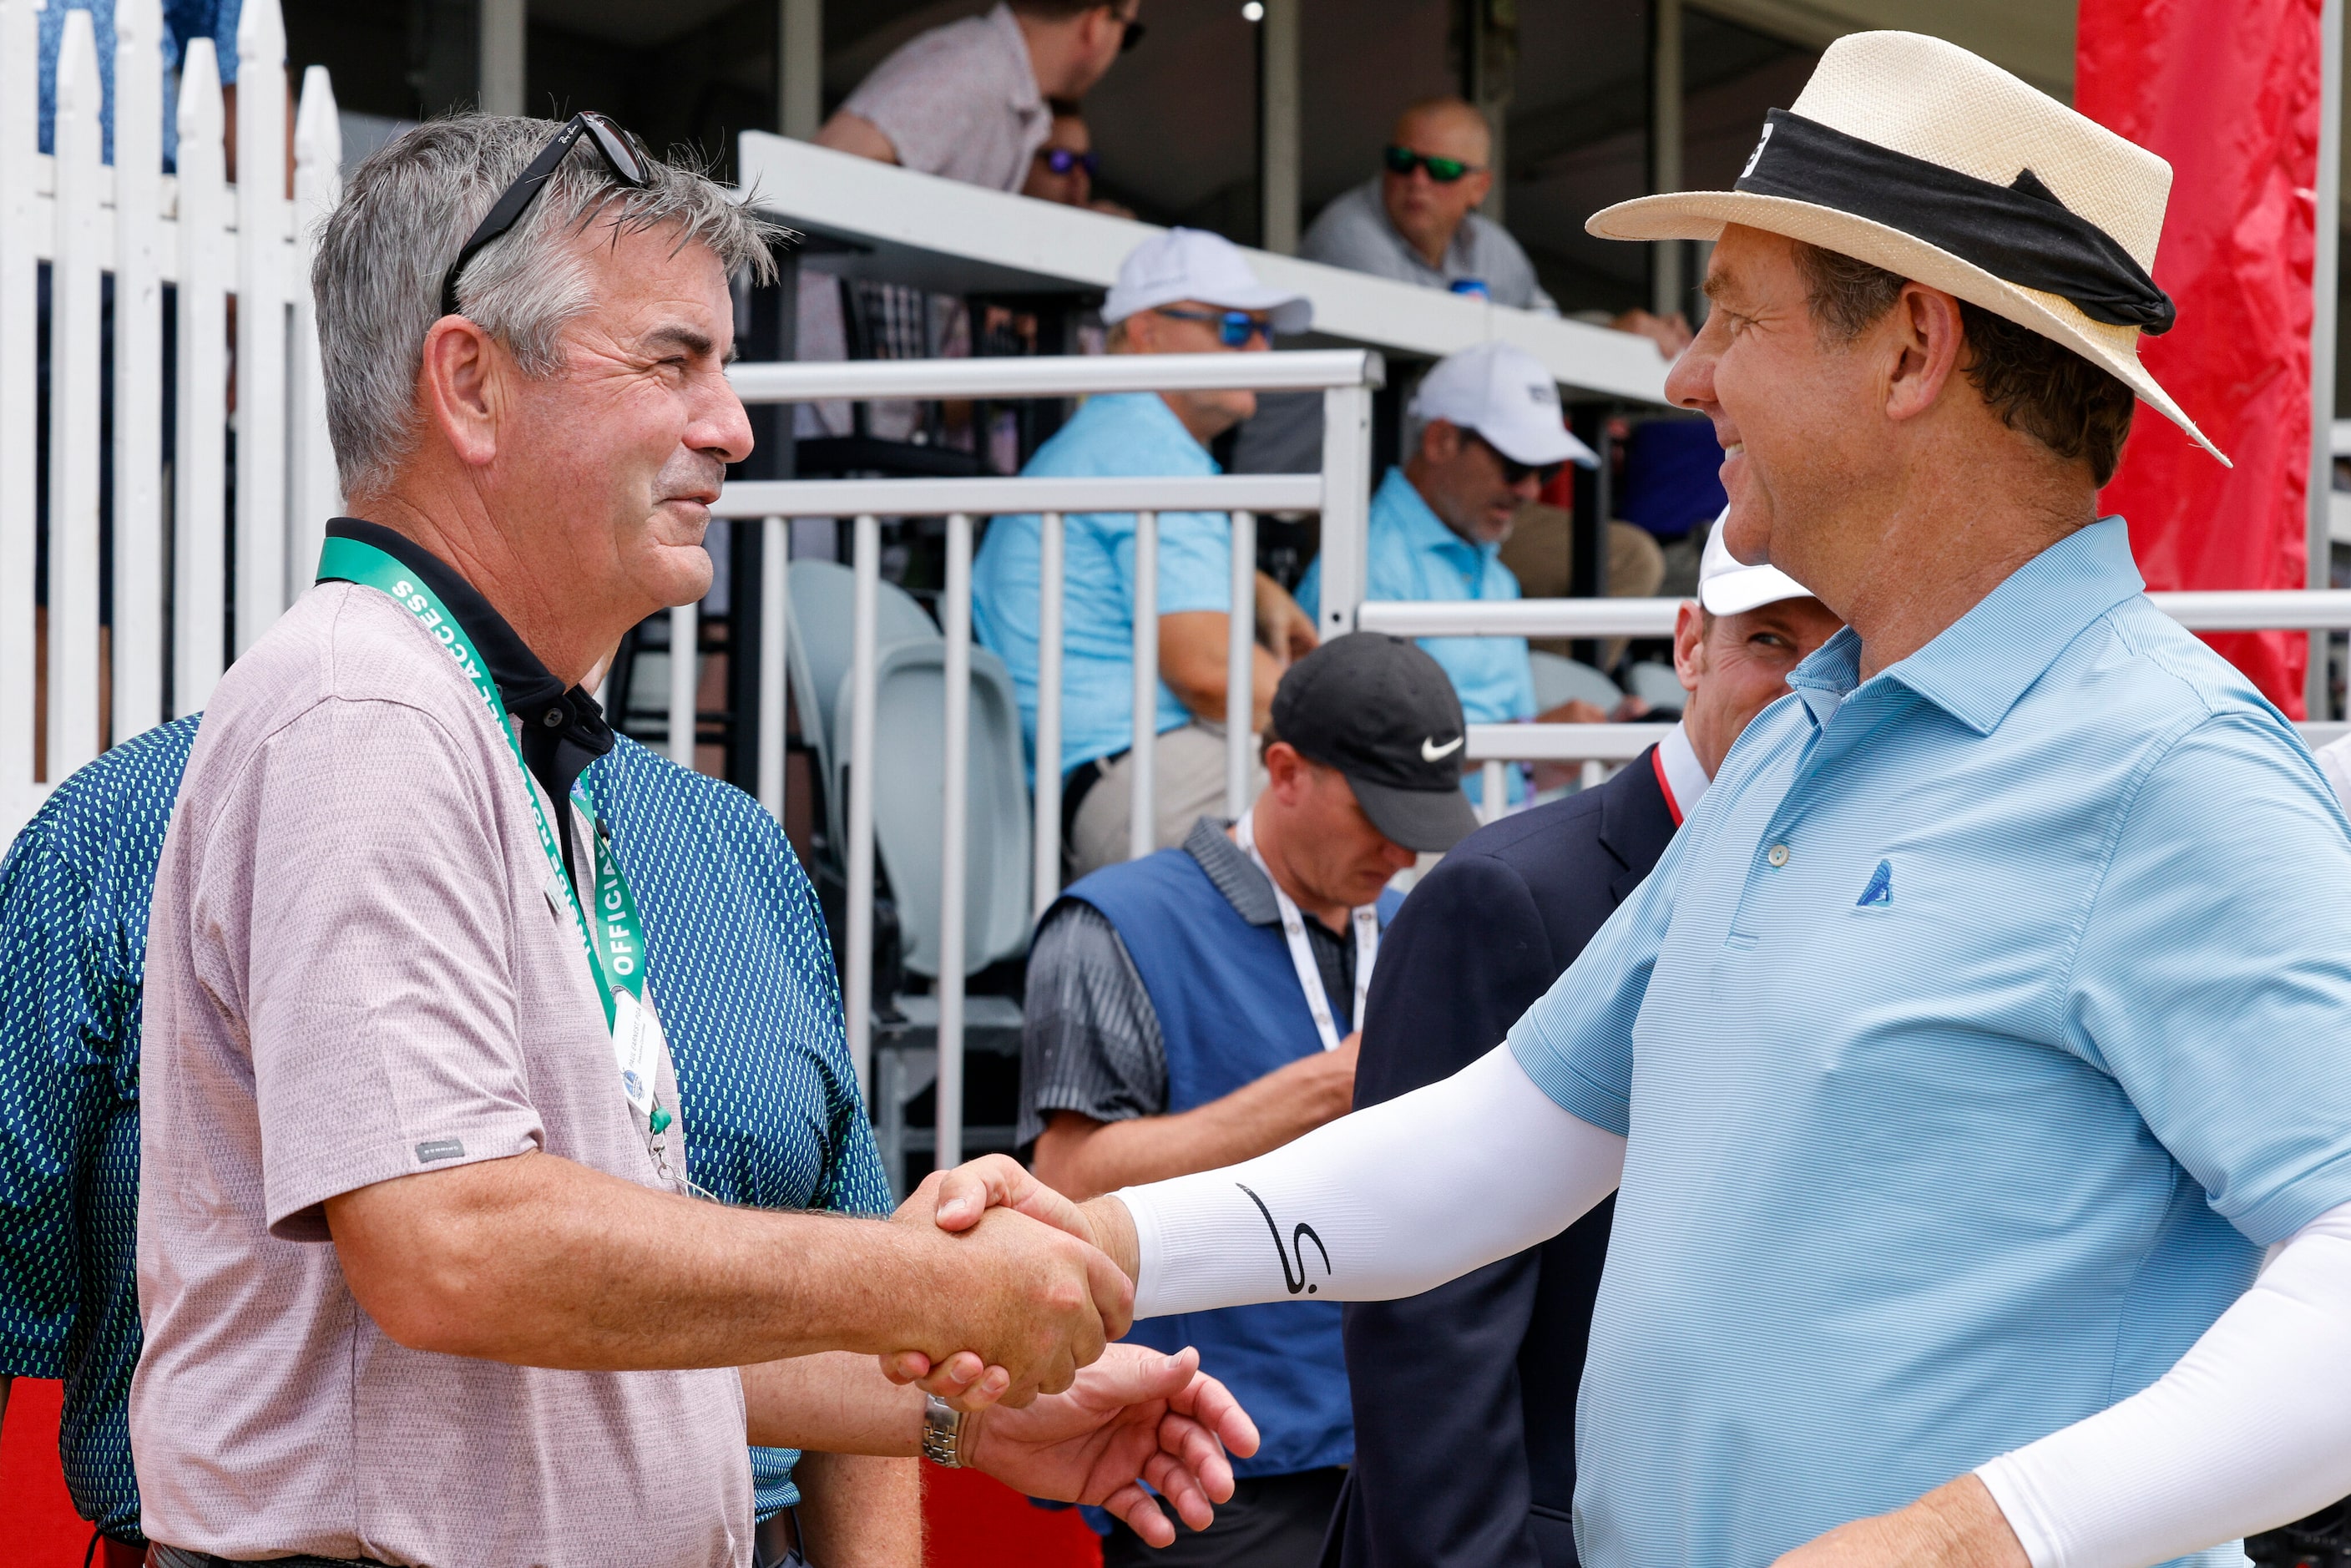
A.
x: 1129, y: 433
x: 1413, y: 555
x: 1982, y: 1026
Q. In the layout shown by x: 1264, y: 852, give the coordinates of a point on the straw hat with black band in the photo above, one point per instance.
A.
x: 1912, y: 154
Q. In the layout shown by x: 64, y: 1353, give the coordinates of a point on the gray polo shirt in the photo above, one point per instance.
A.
x: 355, y: 972
x: 960, y: 101
x: 1090, y: 1041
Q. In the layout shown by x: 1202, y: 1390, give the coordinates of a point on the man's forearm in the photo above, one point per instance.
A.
x: 1241, y: 1126
x: 859, y: 1512
x: 836, y: 1403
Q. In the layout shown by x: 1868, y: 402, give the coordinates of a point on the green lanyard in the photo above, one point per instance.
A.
x: 614, y: 941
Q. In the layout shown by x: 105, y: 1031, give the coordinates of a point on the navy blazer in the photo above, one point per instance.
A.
x: 1465, y: 1398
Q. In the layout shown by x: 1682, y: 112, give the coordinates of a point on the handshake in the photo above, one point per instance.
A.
x: 1032, y: 1288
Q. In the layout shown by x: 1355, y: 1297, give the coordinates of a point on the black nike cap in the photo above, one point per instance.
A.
x: 1383, y: 713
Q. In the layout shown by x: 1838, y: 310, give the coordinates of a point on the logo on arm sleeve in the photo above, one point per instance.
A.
x: 1294, y: 1249
x: 440, y: 1149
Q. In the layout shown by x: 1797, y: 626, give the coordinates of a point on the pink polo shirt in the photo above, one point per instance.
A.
x: 354, y: 973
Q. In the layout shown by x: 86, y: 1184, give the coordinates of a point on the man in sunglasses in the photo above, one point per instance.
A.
x: 1486, y: 436
x: 970, y: 100
x: 1063, y: 169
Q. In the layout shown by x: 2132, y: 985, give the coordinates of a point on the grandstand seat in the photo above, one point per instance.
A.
x: 818, y: 634
x: 1559, y: 680
x: 909, y: 797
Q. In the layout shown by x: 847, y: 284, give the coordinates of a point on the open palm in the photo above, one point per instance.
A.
x: 1135, y: 1416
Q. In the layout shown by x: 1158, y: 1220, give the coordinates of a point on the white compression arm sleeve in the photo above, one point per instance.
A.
x: 1390, y: 1201
x: 2250, y: 1431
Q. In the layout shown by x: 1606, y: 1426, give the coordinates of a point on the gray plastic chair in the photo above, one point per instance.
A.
x: 819, y: 648
x: 1559, y: 680
x: 1655, y: 683
x: 910, y: 797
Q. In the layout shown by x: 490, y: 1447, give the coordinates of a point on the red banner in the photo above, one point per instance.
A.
x: 2227, y: 90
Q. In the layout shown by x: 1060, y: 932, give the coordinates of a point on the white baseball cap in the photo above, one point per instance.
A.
x: 1192, y: 264
x: 1507, y: 397
x: 1727, y: 586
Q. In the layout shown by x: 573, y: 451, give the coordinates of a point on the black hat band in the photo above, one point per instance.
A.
x: 2020, y: 234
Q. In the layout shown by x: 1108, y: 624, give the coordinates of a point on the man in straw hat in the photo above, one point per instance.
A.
x: 1983, y: 1025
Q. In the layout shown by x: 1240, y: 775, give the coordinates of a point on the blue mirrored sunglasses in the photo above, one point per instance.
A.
x: 1234, y: 328
x: 1060, y: 160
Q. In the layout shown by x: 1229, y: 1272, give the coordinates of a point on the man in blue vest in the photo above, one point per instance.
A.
x: 1202, y: 1005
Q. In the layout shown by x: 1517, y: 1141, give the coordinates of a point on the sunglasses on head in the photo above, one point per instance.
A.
x: 1514, y: 473
x: 1234, y: 328
x: 1444, y: 171
x: 1060, y: 160
x: 615, y: 146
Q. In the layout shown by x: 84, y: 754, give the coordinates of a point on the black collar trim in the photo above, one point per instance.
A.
x: 2020, y: 233
x: 562, y: 731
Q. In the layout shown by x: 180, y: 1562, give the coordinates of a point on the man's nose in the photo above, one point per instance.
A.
x: 724, y: 428
x: 1690, y: 380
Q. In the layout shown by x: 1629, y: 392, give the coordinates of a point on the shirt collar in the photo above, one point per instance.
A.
x: 1423, y: 528
x: 1976, y: 668
x: 1683, y: 775
x: 562, y: 731
x: 1245, y: 887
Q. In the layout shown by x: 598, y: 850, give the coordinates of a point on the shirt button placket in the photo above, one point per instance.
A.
x: 1777, y: 854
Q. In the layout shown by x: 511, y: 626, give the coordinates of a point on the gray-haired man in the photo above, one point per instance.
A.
x: 377, y: 1019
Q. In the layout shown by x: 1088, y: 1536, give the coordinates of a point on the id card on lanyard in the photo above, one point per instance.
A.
x: 1365, y: 921
x: 614, y: 941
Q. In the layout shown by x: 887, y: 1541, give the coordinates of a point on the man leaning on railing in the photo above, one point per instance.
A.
x: 1183, y: 292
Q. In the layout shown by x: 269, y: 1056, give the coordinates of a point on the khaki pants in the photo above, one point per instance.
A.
x: 1187, y: 783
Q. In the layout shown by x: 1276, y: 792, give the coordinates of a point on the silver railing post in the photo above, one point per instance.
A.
x: 1346, y: 506
x: 856, y: 1004
x: 684, y: 670
x: 955, y: 610
x: 1494, y: 791
x: 775, y: 689
x: 1048, y: 711
x: 1142, y: 831
x: 1240, y: 665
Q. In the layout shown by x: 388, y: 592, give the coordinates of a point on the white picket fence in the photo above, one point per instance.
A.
x: 68, y: 688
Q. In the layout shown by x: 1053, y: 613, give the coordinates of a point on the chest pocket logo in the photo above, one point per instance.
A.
x: 1880, y: 891
x: 1294, y: 1249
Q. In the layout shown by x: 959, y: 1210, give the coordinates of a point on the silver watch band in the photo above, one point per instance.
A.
x: 943, y: 1432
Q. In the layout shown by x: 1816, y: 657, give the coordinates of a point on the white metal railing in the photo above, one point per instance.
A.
x: 212, y: 242
x: 1340, y: 493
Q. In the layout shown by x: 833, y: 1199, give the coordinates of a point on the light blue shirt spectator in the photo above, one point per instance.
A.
x: 1973, y: 1038
x: 1129, y: 434
x: 1413, y: 555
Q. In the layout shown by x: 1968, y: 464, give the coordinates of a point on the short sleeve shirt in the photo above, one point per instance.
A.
x: 960, y: 101
x: 1973, y: 1038
x: 1132, y: 433
x: 1354, y: 232
x: 357, y: 970
x: 1411, y: 555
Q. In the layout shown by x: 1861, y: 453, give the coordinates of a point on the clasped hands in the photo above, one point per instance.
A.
x: 1058, y: 1410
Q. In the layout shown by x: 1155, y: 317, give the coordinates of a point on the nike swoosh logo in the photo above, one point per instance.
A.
x: 1432, y: 752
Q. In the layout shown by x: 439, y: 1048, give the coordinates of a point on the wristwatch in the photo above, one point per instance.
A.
x: 943, y: 1432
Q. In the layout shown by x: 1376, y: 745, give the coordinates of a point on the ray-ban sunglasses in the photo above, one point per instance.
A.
x: 618, y: 149
x: 1403, y: 160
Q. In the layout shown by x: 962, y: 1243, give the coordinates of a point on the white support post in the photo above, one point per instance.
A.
x: 1142, y: 830
x: 1346, y: 506
x: 1240, y: 665
x: 261, y: 291
x: 505, y: 50
x: 139, y: 598
x: 2318, y: 539
x: 799, y: 68
x: 954, y: 860
x: 20, y: 97
x: 1279, y: 140
x: 1667, y: 290
x: 1493, y: 791
x: 1050, y: 542
x: 685, y: 680
x: 317, y: 493
x: 200, y: 476
x: 75, y: 277
x: 774, y: 693
x: 857, y: 1003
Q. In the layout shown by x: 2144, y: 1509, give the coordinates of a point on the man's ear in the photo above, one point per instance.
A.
x: 1929, y: 337
x: 1479, y: 186
x: 1440, y: 441
x: 461, y: 383
x: 1689, y: 645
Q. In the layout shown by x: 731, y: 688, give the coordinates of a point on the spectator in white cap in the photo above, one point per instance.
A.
x: 1486, y: 434
x: 1183, y: 292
